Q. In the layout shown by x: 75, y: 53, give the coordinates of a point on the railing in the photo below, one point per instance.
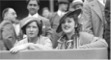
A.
x: 96, y: 54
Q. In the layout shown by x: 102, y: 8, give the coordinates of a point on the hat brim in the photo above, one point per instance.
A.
x: 25, y: 21
x: 77, y: 3
x: 70, y: 13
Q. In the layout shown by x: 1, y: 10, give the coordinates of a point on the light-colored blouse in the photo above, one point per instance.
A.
x: 43, y: 43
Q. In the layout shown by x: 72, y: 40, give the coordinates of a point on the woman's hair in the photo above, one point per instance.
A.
x: 38, y: 24
x: 78, y: 26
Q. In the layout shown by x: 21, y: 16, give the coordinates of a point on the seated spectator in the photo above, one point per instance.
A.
x: 73, y: 38
x: 34, y: 41
x: 10, y: 31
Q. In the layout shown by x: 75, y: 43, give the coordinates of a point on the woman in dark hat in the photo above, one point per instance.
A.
x: 72, y: 37
x: 34, y: 40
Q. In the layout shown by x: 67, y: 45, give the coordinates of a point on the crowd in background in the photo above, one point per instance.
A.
x: 79, y: 24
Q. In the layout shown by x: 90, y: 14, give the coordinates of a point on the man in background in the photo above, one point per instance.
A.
x: 33, y: 7
x: 10, y: 31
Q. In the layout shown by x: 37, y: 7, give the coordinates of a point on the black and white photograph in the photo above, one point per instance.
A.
x: 55, y: 29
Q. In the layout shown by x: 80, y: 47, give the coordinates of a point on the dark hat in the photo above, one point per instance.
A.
x: 73, y: 14
x: 25, y: 21
x: 63, y: 1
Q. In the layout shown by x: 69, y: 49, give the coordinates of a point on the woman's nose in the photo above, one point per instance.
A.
x: 31, y: 29
x: 66, y: 23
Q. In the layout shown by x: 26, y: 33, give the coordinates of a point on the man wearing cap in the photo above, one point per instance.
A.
x: 94, y: 17
x: 33, y: 7
x: 62, y: 9
x: 78, y: 4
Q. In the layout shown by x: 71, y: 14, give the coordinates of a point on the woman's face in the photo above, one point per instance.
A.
x: 68, y: 25
x: 32, y: 30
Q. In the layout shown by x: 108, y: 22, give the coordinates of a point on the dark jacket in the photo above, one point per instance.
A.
x: 8, y: 35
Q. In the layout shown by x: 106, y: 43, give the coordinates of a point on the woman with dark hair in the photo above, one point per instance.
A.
x: 73, y: 37
x: 34, y: 40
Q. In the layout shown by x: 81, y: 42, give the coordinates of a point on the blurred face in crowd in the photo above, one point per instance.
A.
x: 45, y: 13
x: 63, y: 6
x: 11, y: 14
x: 68, y: 25
x: 32, y: 30
x: 71, y: 8
x: 78, y: 6
x: 33, y: 7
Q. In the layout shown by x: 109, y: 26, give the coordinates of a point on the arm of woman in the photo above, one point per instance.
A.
x: 99, y: 43
x: 90, y: 41
x: 47, y: 45
x: 18, y: 48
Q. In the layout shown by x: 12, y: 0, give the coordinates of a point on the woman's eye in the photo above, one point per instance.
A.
x: 34, y: 27
x: 28, y: 27
x: 69, y: 21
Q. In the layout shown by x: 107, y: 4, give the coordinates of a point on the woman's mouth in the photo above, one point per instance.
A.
x: 31, y: 33
x: 66, y: 27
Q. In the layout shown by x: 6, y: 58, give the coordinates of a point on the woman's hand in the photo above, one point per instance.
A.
x: 19, y: 48
x: 34, y: 47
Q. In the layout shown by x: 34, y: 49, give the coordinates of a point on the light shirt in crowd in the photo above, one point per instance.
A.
x: 17, y: 28
x: 35, y: 15
x: 60, y: 13
x: 102, y: 2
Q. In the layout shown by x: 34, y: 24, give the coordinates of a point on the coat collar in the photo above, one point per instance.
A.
x: 95, y: 6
